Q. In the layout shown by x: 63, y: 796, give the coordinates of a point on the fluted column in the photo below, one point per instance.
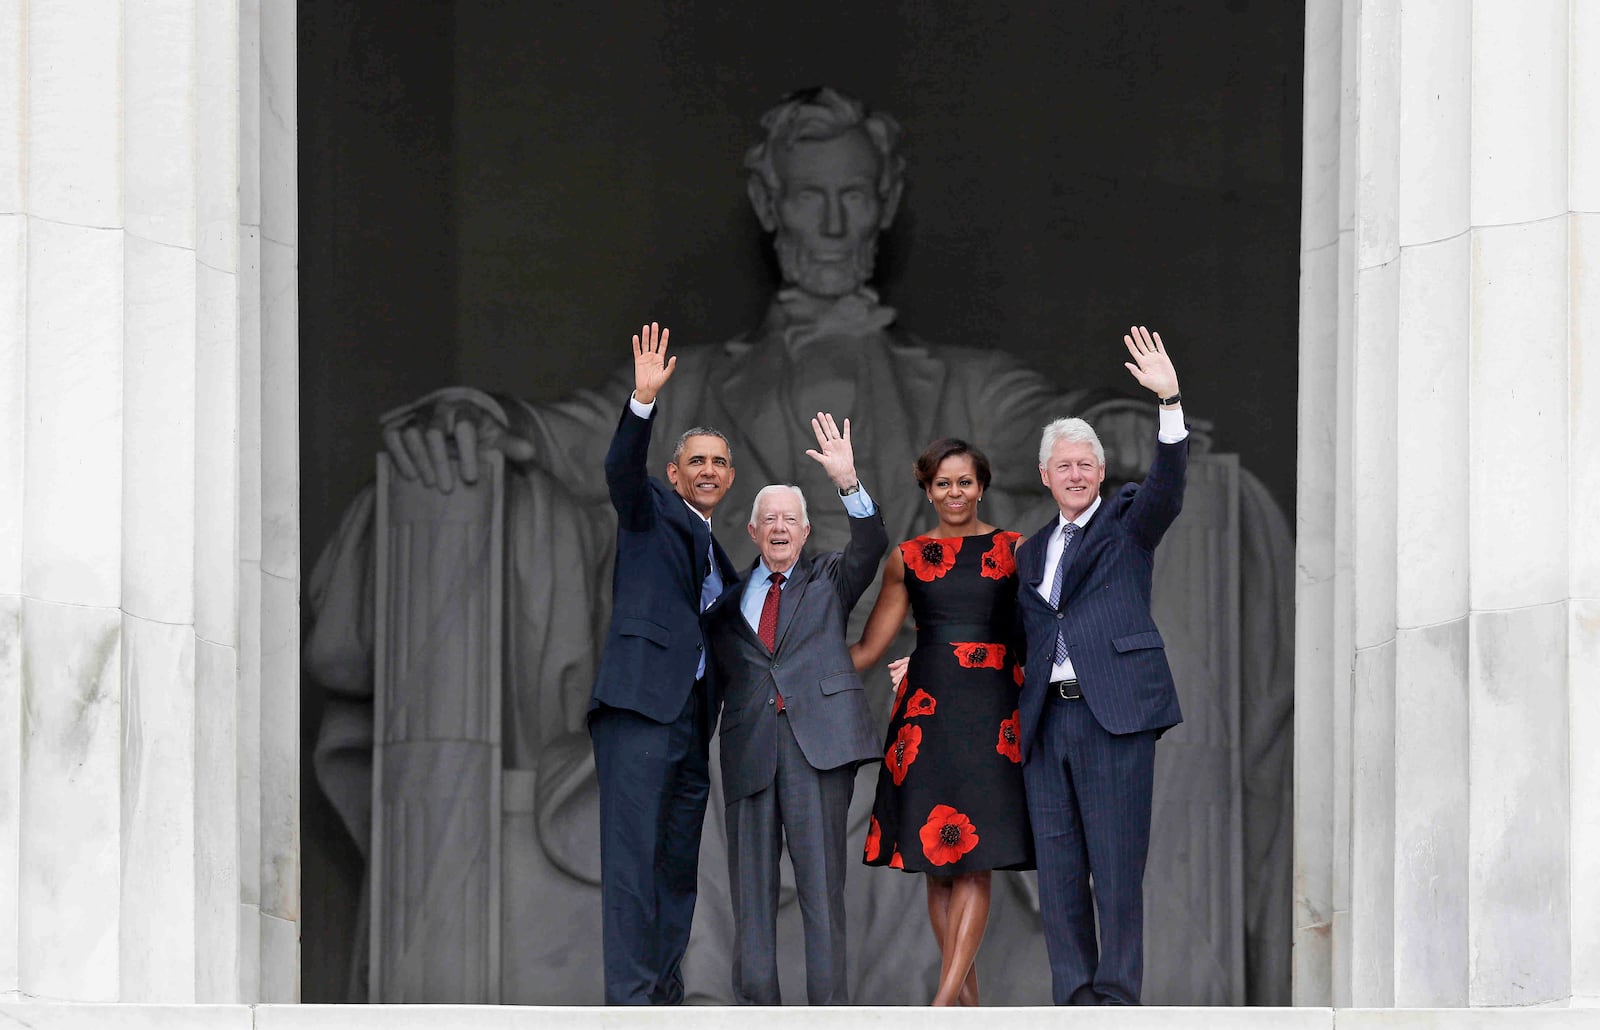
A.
x: 1583, y: 622
x: 148, y: 800
x: 1446, y: 793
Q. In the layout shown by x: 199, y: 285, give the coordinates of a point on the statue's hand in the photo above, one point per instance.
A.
x: 1127, y: 429
x: 1128, y: 434
x: 437, y: 439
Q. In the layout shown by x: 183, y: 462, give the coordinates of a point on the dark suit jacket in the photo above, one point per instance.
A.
x: 824, y: 703
x: 654, y: 642
x: 1116, y: 650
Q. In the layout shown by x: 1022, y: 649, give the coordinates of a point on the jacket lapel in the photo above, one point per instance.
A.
x: 1034, y: 552
x: 793, y: 592
x: 1090, y: 542
x: 676, y: 511
x: 732, y: 591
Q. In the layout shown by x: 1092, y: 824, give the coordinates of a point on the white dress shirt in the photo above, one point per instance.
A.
x: 1171, y: 430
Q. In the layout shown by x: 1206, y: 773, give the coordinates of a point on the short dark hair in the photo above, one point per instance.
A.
x: 932, y: 456
x: 677, y: 448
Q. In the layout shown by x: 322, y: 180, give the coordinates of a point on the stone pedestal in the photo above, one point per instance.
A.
x: 149, y: 546
x: 435, y: 858
x: 1447, y: 789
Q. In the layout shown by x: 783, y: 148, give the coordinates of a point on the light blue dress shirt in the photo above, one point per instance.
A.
x: 858, y: 505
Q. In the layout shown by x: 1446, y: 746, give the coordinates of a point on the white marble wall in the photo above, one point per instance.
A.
x: 148, y: 539
x: 1448, y: 703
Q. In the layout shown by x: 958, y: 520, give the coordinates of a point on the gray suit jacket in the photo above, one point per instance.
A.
x: 823, y: 699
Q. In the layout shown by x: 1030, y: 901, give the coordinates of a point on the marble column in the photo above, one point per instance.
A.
x: 1448, y: 633
x: 149, y: 550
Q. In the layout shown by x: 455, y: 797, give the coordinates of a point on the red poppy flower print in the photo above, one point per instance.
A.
x: 1010, y: 737
x: 903, y: 752
x: 929, y: 557
x: 899, y: 695
x: 921, y: 703
x: 980, y: 655
x: 895, y: 861
x: 1000, y: 561
x: 874, y: 840
x: 947, y: 835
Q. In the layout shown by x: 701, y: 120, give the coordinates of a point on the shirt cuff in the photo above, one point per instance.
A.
x: 859, y: 505
x: 1172, y: 429
x: 642, y: 410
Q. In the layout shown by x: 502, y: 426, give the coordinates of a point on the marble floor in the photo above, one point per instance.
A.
x: 44, y: 1016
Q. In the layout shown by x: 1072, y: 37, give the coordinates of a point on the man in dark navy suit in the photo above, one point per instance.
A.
x: 1097, y: 691
x: 653, y: 706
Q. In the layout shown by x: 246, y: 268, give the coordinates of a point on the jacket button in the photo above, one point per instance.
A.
x: 1061, y: 615
x: 769, y: 700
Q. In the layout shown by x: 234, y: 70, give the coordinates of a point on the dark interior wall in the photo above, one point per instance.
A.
x: 490, y: 191
x: 1072, y: 167
x: 377, y: 325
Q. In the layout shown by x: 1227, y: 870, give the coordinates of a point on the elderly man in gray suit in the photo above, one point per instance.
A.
x: 795, y: 723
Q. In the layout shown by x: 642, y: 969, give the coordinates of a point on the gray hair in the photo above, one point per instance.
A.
x: 677, y: 448
x: 1070, y: 430
x: 755, y: 508
x: 821, y: 113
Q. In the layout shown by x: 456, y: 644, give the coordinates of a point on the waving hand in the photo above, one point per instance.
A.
x: 651, y: 366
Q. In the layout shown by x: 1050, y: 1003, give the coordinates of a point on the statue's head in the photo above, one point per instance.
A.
x: 825, y: 181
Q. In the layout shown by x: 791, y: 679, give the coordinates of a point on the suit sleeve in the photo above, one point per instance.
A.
x: 626, y: 476
x: 1159, y: 499
x: 858, y: 563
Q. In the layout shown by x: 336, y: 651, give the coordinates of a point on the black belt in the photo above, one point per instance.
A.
x: 959, y: 633
x: 1065, y: 690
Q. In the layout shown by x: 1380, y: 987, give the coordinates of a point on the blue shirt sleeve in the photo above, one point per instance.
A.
x: 859, y: 505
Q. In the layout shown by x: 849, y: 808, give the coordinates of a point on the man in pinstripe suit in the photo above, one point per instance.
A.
x: 1098, y: 691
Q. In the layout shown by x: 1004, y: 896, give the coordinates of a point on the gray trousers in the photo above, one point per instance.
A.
x: 810, y: 809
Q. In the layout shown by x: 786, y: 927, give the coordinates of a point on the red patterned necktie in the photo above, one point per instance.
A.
x: 767, y: 629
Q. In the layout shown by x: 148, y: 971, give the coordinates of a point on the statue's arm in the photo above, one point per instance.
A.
x: 436, y: 439
x: 569, y: 438
x: 1010, y: 403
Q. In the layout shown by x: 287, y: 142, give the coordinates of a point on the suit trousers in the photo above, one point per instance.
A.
x: 654, y: 780
x: 1089, y: 797
x: 810, y: 808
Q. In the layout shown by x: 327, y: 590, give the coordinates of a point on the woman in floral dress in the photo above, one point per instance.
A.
x: 950, y: 799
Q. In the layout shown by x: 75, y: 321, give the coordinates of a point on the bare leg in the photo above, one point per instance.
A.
x: 939, y: 890
x: 966, y: 918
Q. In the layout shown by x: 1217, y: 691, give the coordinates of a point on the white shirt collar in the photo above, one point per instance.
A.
x: 1083, y: 518
x: 695, y: 510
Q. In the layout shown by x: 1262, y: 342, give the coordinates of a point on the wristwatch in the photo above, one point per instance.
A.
x: 854, y: 489
x: 1167, y: 402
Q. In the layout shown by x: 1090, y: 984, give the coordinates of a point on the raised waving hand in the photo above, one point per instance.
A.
x: 651, y: 366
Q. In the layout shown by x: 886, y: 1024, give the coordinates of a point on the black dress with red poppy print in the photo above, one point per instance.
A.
x: 950, y: 795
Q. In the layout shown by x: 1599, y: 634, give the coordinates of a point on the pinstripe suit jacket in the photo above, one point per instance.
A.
x: 1115, y: 647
